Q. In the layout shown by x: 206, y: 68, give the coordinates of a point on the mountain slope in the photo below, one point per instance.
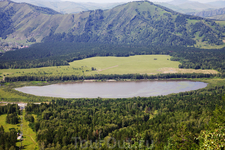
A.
x: 218, y: 17
x: 176, y: 8
x: 68, y: 6
x: 196, y: 6
x: 219, y: 4
x: 14, y: 16
x: 131, y: 23
x: 210, y: 13
x: 186, y: 6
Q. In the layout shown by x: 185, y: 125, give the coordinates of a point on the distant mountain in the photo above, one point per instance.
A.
x: 67, y: 6
x: 218, y: 17
x: 139, y: 22
x: 178, y: 2
x: 219, y: 4
x: 196, y: 6
x: 210, y: 13
x: 211, y: 10
x: 186, y: 6
x: 176, y: 8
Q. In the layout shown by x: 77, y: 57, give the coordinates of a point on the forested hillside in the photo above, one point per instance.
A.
x: 139, y: 22
x: 170, y: 122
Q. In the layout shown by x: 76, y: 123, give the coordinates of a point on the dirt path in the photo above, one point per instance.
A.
x: 108, y: 68
x: 32, y: 139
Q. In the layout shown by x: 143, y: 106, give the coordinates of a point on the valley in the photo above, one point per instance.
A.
x: 138, y: 76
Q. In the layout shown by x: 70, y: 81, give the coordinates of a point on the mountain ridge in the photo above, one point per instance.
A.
x: 187, y: 6
x: 69, y: 6
x: 139, y: 22
x: 219, y: 4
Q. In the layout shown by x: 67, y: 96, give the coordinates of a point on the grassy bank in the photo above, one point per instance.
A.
x: 8, y: 93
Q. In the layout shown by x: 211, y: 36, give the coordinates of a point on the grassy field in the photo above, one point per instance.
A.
x: 45, y: 71
x: 7, y: 126
x: 29, y: 137
x: 149, y: 64
x: 125, y: 65
x: 221, y: 23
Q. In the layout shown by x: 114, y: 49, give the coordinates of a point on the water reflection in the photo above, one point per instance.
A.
x: 112, y: 89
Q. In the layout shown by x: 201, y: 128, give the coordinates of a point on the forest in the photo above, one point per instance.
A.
x: 61, y: 53
x: 8, y: 139
x: 188, y: 120
x: 177, y: 121
x: 102, y: 77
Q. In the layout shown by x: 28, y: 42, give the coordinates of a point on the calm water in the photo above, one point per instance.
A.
x: 112, y: 89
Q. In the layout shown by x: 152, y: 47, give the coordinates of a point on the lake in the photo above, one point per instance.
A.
x: 112, y: 89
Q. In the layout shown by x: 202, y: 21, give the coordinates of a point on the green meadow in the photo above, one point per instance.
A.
x: 7, y: 126
x: 142, y: 64
x: 150, y: 64
x: 29, y: 136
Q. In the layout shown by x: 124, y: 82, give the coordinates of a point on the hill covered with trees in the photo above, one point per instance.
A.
x: 171, y: 122
x: 139, y: 22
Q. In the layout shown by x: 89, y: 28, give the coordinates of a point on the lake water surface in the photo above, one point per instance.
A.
x: 112, y: 89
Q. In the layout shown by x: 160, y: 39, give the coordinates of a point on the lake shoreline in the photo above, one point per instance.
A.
x: 122, y: 80
x: 23, y: 97
x: 44, y: 83
x: 112, y: 89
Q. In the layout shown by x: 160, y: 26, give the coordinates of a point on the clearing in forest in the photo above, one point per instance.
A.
x: 141, y: 64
